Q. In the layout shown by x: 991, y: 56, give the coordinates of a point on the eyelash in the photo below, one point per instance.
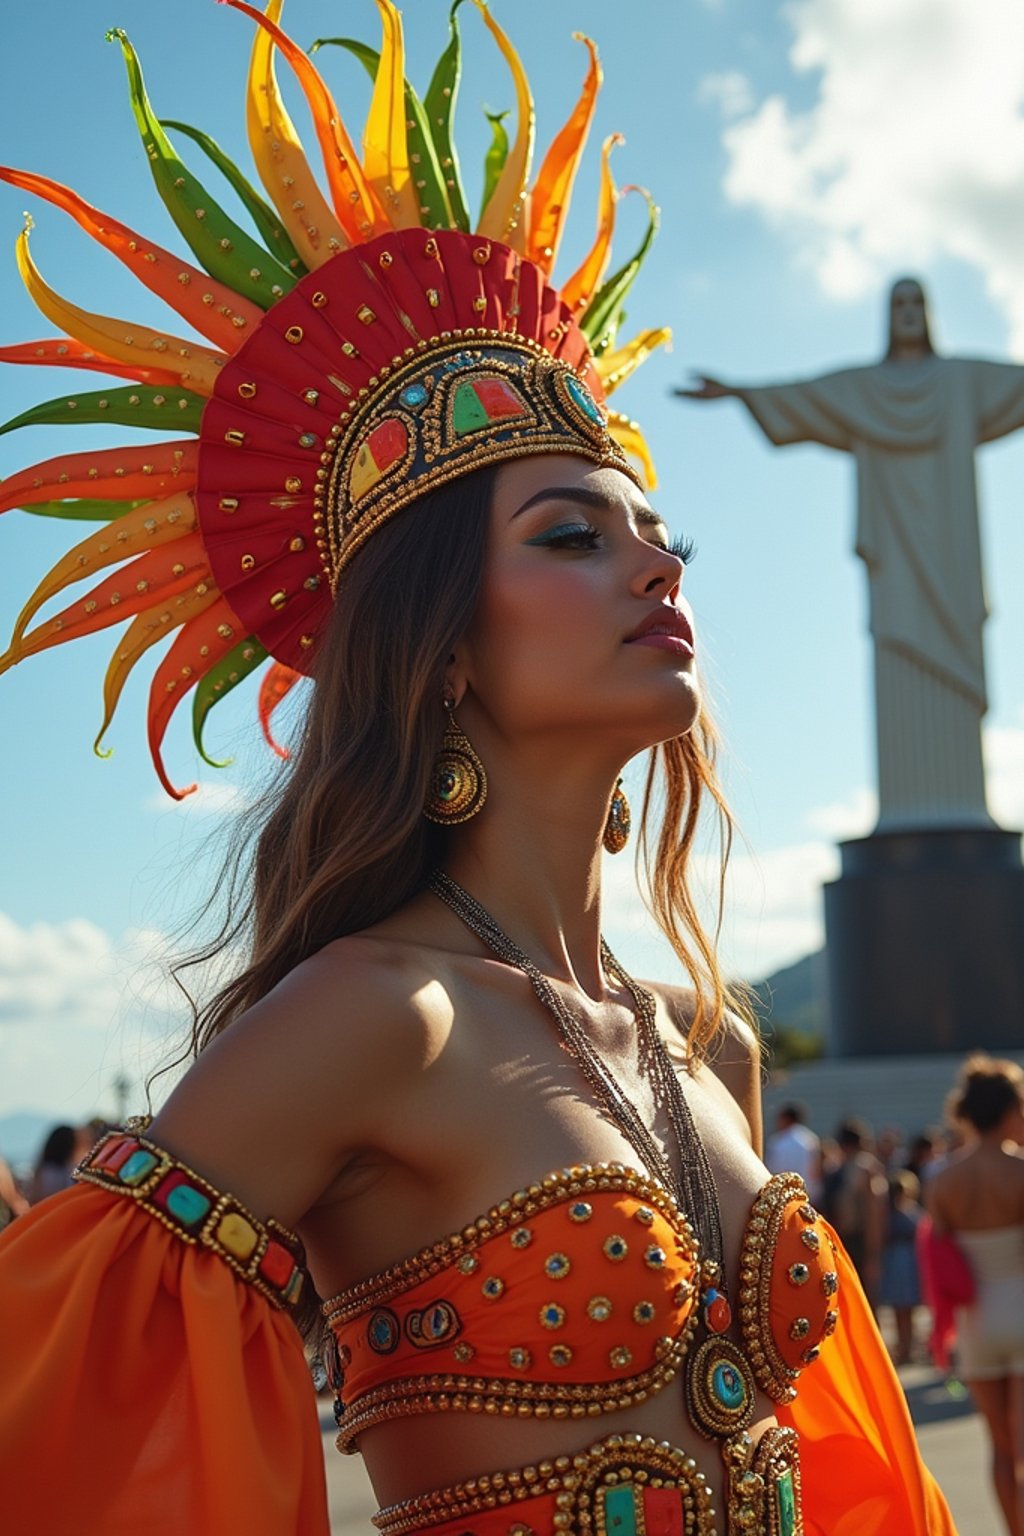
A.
x: 585, y: 536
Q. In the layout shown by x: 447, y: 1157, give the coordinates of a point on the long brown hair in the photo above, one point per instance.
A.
x: 342, y: 842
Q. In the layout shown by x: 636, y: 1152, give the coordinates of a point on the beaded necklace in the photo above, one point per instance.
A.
x: 719, y: 1382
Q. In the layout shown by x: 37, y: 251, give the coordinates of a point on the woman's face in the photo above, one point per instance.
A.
x: 581, y: 624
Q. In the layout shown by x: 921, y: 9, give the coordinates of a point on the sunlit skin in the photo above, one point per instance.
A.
x: 413, y: 1078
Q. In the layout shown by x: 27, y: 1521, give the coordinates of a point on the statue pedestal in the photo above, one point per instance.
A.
x: 925, y: 943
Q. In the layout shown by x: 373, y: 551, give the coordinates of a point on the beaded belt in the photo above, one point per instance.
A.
x: 625, y: 1485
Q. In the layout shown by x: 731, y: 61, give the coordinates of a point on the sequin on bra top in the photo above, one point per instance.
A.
x: 574, y: 1298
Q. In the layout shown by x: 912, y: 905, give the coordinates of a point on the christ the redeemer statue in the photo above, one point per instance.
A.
x: 912, y: 423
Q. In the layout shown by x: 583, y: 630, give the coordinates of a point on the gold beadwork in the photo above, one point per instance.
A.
x: 248, y: 562
x: 579, y: 1486
x: 228, y: 504
x: 599, y: 1309
x: 365, y: 315
x: 225, y: 1214
x: 293, y: 484
x: 247, y: 390
x: 458, y: 780
x: 294, y: 334
x: 235, y: 438
x: 319, y: 300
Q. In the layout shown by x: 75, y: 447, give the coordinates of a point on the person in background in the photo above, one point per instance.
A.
x: 900, y: 1283
x: 978, y: 1198
x: 794, y: 1148
x: 62, y: 1149
x: 12, y: 1201
x: 855, y: 1201
x: 922, y: 1157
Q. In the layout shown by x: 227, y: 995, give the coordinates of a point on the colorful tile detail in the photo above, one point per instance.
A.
x: 480, y: 403
x: 620, y: 1512
x: 267, y: 1256
x: 386, y: 445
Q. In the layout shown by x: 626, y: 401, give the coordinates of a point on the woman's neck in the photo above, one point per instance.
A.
x: 533, y: 859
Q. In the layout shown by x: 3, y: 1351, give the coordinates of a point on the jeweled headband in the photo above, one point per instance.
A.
x: 365, y: 349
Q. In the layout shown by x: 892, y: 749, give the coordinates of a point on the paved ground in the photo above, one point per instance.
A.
x: 950, y: 1435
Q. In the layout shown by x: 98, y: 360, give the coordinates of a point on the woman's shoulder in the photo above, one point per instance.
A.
x: 274, y: 1108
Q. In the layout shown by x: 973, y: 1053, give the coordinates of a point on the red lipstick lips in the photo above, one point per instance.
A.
x: 666, y: 629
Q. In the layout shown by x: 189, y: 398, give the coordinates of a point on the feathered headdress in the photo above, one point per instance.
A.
x: 364, y: 347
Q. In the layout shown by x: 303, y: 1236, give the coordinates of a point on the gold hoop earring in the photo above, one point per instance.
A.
x: 458, y: 780
x: 616, y: 827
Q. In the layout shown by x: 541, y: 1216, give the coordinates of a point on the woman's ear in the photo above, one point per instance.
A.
x: 455, y: 681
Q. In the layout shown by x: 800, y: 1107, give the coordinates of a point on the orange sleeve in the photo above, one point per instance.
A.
x: 861, y: 1470
x: 145, y: 1387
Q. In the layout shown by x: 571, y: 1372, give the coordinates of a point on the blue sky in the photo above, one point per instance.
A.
x: 802, y: 155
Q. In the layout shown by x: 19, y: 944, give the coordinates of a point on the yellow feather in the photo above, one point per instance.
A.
x: 281, y: 160
x: 385, y: 145
x: 632, y: 441
x: 195, y: 365
x: 614, y: 368
x: 505, y: 217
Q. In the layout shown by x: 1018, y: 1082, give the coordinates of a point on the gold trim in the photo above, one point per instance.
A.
x: 773, y: 1375
x: 553, y: 1189
x: 579, y: 1484
x: 221, y: 1206
x: 510, y: 1399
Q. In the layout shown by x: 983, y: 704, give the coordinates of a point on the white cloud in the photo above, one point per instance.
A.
x: 912, y: 149
x: 730, y: 91
x: 78, y: 1009
x: 1004, y: 771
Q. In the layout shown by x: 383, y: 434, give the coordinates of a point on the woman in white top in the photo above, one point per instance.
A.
x: 979, y: 1197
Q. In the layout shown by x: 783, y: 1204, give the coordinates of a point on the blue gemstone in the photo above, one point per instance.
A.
x: 188, y: 1204
x: 584, y: 399
x: 413, y: 395
x: 728, y: 1386
x: 137, y: 1168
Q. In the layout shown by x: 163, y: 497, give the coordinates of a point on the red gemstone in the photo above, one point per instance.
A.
x: 498, y: 398
x: 388, y: 442
x: 718, y: 1315
x: 276, y: 1264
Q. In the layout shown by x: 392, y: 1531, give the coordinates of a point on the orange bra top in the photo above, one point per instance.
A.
x: 575, y: 1297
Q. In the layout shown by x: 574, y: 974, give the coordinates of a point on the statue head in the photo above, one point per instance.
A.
x: 908, y: 318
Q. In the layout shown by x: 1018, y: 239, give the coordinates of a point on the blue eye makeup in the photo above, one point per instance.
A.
x: 568, y: 536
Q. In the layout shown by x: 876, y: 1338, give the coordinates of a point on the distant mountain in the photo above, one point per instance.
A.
x: 795, y: 997
x: 22, y: 1135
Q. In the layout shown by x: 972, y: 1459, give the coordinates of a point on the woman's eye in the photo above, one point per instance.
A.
x: 569, y: 536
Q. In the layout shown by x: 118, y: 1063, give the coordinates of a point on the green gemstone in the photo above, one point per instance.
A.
x: 785, y: 1503
x: 468, y: 413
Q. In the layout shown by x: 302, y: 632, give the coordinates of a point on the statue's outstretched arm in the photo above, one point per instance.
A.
x: 707, y: 388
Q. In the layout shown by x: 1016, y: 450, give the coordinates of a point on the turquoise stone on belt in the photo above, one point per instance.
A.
x: 728, y: 1386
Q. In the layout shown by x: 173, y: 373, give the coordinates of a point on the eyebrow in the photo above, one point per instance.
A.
x: 587, y: 498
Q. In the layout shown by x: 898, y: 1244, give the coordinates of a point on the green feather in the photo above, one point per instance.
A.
x: 168, y: 408
x: 497, y: 154
x: 439, y: 103
x: 602, y: 317
x: 83, y: 510
x: 224, y: 249
x: 262, y: 214
x: 435, y: 207
x: 217, y: 683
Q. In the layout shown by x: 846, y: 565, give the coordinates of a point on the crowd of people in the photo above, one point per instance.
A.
x: 937, y: 1221
x: 63, y: 1148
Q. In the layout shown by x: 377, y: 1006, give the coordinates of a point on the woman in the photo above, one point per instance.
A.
x: 978, y: 1197
x: 899, y: 1286
x: 527, y: 1221
x: 61, y: 1150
